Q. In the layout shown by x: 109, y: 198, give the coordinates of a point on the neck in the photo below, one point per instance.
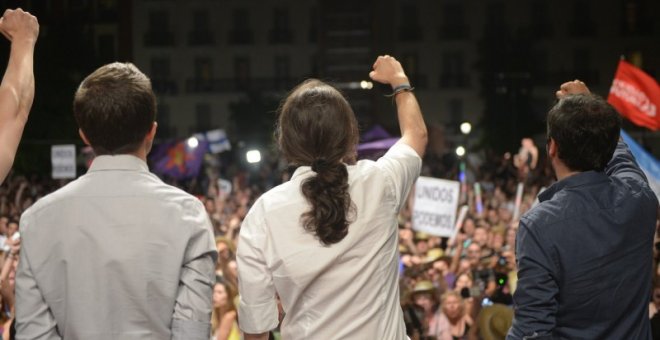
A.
x: 562, y: 171
x: 140, y: 153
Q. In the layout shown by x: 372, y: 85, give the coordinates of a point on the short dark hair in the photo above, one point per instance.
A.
x: 585, y: 129
x: 115, y: 107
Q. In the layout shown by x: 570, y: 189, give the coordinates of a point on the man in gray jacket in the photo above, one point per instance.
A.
x: 115, y: 254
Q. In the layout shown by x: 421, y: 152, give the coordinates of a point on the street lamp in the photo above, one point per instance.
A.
x: 253, y: 156
x: 192, y: 142
x: 466, y: 128
x: 460, y: 151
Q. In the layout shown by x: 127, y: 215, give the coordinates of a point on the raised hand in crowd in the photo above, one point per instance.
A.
x: 572, y: 87
x: 17, y: 87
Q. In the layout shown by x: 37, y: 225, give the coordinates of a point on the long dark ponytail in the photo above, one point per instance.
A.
x: 317, y: 127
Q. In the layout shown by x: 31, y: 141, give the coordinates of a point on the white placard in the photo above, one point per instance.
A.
x: 434, y: 210
x: 63, y: 159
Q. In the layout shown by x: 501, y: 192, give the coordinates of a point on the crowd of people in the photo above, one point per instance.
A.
x: 444, y: 283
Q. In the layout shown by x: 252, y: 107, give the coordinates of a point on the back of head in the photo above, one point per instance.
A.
x: 115, y: 108
x: 585, y: 129
x: 317, y: 127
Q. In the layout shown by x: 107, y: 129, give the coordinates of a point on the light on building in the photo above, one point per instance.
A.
x: 366, y: 85
x: 253, y: 156
x: 460, y: 151
x: 466, y: 128
x: 193, y: 142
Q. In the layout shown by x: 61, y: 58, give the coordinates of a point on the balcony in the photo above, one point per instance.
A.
x: 164, y: 86
x: 240, y: 37
x: 201, y: 38
x: 280, y: 36
x: 458, y: 80
x: 159, y: 39
x: 454, y: 32
x: 217, y: 85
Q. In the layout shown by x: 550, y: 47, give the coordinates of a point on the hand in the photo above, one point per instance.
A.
x: 572, y: 87
x: 388, y: 70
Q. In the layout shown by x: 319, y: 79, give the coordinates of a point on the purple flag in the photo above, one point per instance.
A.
x: 177, y: 159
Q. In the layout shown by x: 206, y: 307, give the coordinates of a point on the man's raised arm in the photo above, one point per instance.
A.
x: 17, y: 87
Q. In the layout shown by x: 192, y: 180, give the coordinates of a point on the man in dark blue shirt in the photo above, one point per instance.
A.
x: 585, y: 252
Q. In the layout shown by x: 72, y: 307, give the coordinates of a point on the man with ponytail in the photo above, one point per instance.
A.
x: 326, y: 241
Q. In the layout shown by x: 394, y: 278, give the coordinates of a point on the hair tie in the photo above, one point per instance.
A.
x: 319, y: 165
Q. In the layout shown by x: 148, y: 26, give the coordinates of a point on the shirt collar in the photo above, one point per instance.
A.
x: 577, y: 180
x: 118, y: 162
x: 301, y: 171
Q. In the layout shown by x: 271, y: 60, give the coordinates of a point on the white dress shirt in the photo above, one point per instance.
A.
x: 115, y: 254
x: 348, y: 290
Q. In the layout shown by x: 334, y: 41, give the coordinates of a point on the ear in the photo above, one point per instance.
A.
x: 152, y: 132
x: 83, y: 137
x: 552, y: 148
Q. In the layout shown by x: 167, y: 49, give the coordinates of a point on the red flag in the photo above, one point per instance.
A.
x: 636, y: 96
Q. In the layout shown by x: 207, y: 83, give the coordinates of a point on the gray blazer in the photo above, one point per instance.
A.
x: 115, y: 254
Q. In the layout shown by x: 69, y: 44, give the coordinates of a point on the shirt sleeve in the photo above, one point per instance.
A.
x: 34, y: 319
x: 257, y: 309
x: 402, y: 166
x: 535, y: 298
x: 192, y: 308
x: 623, y: 164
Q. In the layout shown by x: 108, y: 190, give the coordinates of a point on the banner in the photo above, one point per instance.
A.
x: 218, y: 141
x: 177, y: 159
x: 636, y: 96
x: 434, y: 208
x: 649, y: 164
x: 63, y: 159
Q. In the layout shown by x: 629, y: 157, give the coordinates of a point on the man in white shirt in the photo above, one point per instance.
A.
x: 116, y: 254
x: 341, y: 281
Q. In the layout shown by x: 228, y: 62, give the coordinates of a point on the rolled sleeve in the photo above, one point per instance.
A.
x: 192, y: 309
x: 257, y: 309
x: 535, y: 298
x: 402, y: 166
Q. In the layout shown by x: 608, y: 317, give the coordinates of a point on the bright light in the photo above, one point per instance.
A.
x: 193, y: 142
x: 466, y: 128
x: 253, y: 156
x: 460, y: 151
x: 366, y: 85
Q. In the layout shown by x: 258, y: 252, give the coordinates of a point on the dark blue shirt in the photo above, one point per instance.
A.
x: 585, y: 257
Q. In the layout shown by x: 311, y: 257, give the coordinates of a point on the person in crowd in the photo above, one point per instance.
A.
x: 456, y: 323
x: 326, y: 240
x: 223, y: 319
x: 116, y: 254
x: 17, y: 87
x: 584, y: 252
x: 425, y: 295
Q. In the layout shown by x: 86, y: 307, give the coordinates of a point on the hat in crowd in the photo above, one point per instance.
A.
x: 433, y: 255
x: 403, y: 249
x: 420, y: 235
x: 495, y: 321
x: 423, y: 286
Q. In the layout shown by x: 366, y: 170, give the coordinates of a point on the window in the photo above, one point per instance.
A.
x: 540, y: 24
x: 201, y: 33
x: 453, y: 70
x: 453, y: 18
x: 240, y: 33
x: 582, y: 25
x: 203, y: 116
x: 242, y: 72
x: 158, y: 32
x: 280, y: 33
x: 165, y: 130
x: 282, y: 66
x: 455, y: 108
x: 410, y: 29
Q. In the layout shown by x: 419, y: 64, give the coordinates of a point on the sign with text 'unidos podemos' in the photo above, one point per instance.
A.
x: 434, y: 209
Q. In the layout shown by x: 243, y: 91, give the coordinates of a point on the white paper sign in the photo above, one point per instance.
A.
x: 434, y: 210
x: 63, y: 159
